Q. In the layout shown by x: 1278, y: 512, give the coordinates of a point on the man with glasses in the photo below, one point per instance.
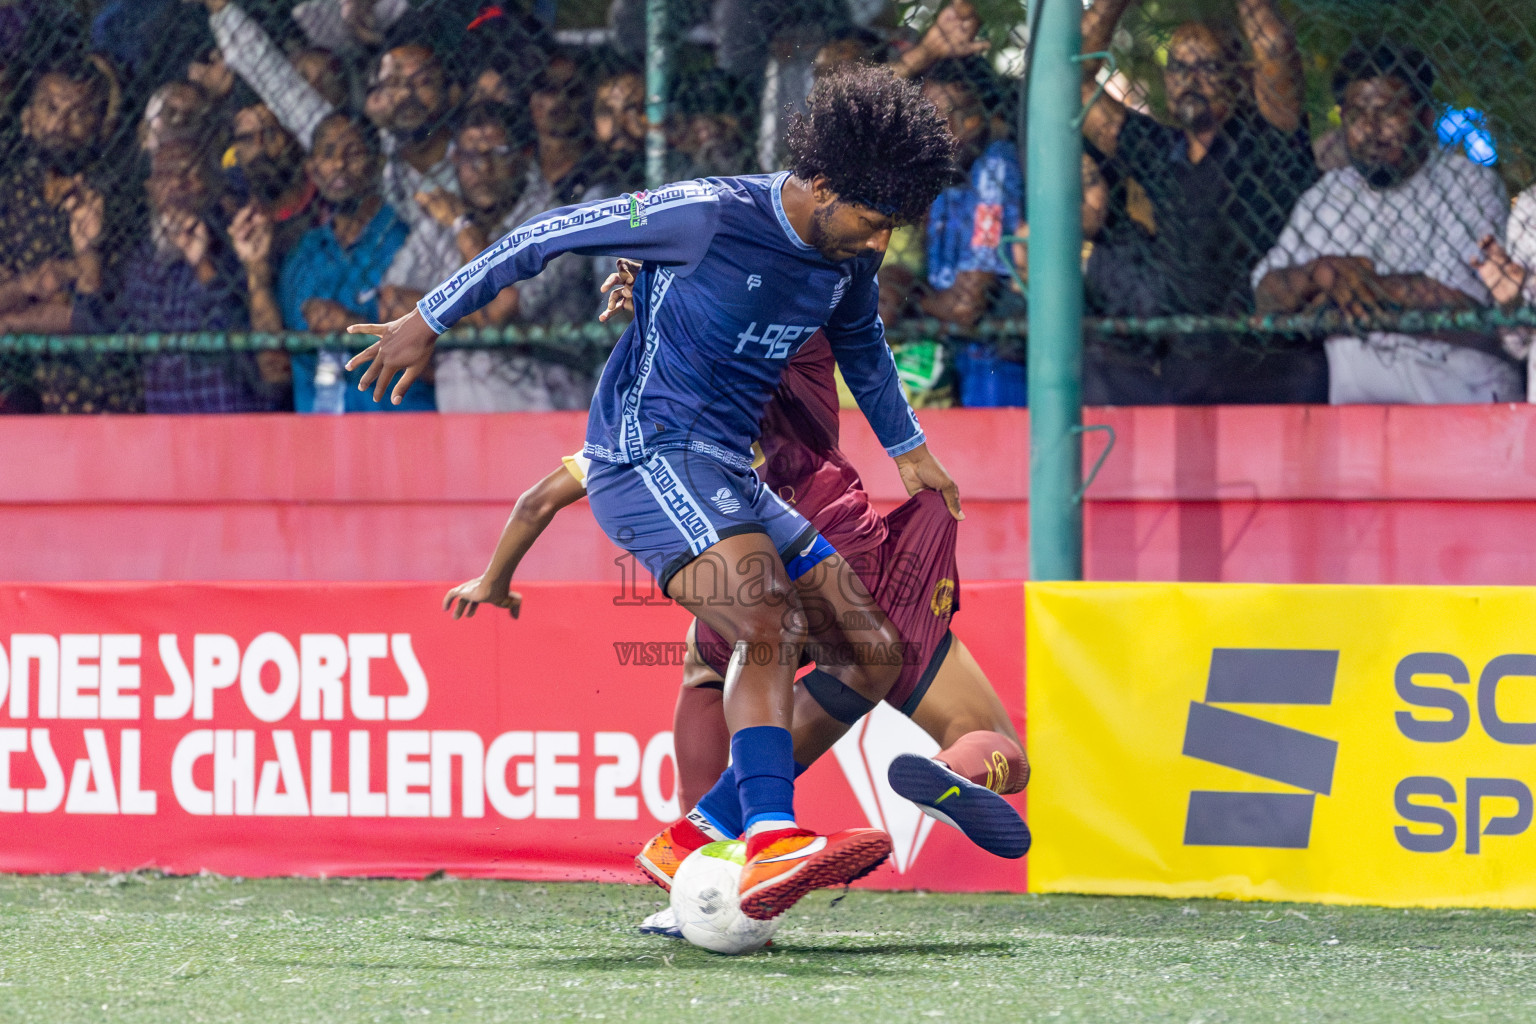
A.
x: 499, y: 187
x: 268, y: 177
x: 412, y: 101
x: 1222, y: 180
x: 489, y: 155
x: 1395, y: 231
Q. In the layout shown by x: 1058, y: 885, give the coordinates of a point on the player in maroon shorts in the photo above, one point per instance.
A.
x: 905, y: 560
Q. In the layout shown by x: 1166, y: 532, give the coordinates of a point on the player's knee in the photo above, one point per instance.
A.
x: 872, y: 682
x: 697, y: 672
x: 770, y: 627
x: 870, y: 665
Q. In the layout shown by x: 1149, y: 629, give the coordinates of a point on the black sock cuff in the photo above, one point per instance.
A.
x: 836, y: 699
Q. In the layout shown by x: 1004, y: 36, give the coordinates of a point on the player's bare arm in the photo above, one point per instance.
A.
x: 531, y: 516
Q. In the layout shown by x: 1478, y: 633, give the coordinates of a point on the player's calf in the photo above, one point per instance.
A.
x: 988, y: 759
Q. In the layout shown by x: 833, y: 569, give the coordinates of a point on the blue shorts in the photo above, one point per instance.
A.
x: 669, y: 509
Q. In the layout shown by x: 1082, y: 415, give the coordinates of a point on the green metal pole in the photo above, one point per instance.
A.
x: 658, y: 74
x: 1054, y: 203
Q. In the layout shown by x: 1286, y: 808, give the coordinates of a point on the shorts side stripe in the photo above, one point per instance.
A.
x: 681, y: 507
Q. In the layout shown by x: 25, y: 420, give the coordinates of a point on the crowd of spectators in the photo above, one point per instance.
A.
x: 249, y: 165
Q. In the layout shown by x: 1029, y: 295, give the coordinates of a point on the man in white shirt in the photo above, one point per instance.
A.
x: 1396, y: 230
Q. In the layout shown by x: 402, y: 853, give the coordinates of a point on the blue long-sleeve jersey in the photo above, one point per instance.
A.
x: 727, y: 294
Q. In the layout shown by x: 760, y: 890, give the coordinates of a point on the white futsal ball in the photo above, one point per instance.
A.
x: 704, y: 898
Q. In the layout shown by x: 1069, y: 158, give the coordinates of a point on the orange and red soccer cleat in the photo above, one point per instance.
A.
x: 783, y: 866
x: 663, y: 855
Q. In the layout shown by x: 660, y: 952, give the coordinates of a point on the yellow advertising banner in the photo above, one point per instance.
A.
x: 1343, y: 744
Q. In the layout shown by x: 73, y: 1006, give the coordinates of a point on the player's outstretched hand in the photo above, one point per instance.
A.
x: 404, y: 347
x: 620, y: 289
x: 472, y: 594
x: 921, y: 471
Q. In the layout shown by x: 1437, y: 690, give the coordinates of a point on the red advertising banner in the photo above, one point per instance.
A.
x: 354, y: 729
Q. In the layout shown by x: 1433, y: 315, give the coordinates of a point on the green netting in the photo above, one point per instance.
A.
x: 179, y: 141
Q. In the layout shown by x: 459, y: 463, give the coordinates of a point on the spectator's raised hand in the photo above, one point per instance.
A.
x: 442, y: 206
x: 214, y: 6
x: 395, y: 301
x: 87, y: 215
x: 47, y: 279
x: 326, y: 315
x: 190, y: 235
x: 953, y: 33
x: 620, y: 289
x: 251, y: 234
x: 1502, y: 275
x: 361, y: 19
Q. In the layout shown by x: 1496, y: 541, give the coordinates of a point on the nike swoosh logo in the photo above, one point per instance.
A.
x: 951, y: 791
x: 808, y: 548
x: 814, y: 846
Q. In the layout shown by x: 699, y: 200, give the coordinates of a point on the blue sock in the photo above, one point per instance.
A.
x: 764, y: 759
x: 718, y: 812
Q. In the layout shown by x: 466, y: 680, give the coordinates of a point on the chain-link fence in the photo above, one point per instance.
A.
x: 1284, y: 201
x: 1346, y: 230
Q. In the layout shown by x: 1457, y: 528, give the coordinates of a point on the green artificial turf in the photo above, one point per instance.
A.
x: 155, y: 949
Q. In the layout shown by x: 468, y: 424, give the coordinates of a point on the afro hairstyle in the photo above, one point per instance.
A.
x: 876, y: 139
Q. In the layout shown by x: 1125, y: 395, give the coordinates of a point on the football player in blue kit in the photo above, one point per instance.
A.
x: 737, y: 274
